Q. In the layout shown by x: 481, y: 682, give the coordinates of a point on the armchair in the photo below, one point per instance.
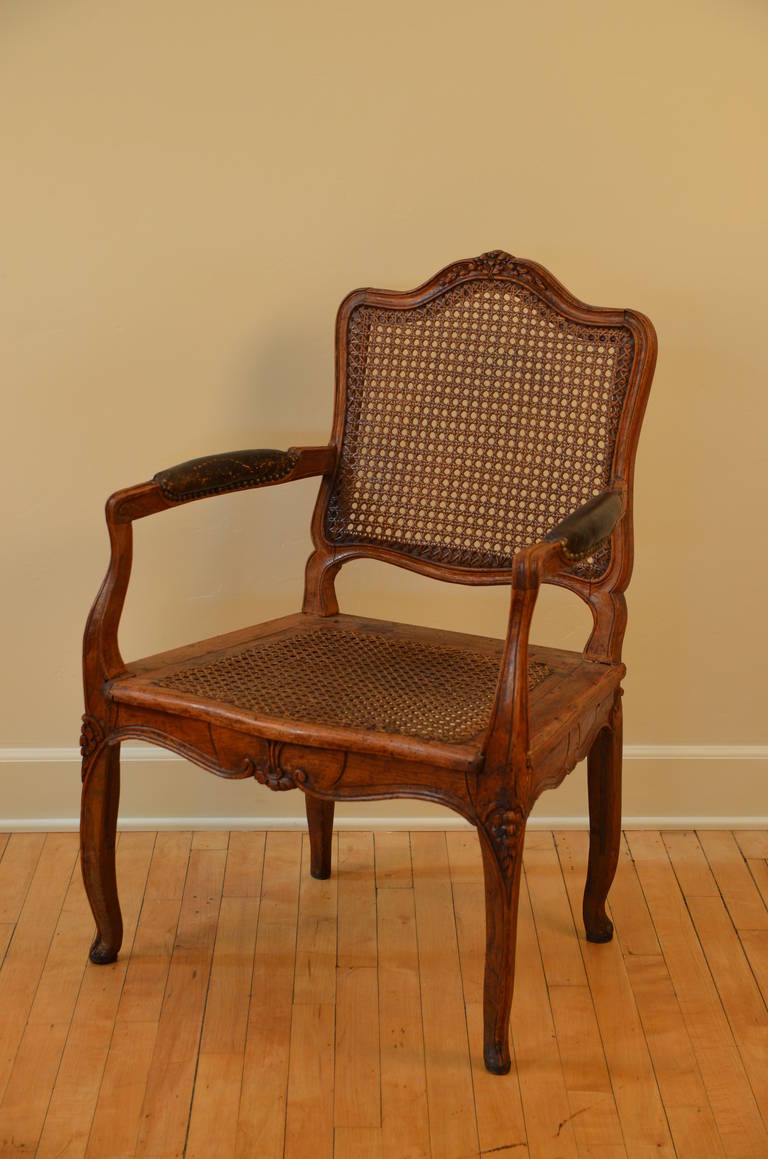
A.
x: 485, y: 431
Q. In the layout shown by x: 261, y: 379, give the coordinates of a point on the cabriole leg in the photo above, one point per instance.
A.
x: 604, y: 776
x: 98, y: 825
x: 501, y: 841
x: 320, y: 822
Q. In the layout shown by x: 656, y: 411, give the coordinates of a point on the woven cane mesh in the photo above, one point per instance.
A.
x: 474, y: 423
x: 358, y: 680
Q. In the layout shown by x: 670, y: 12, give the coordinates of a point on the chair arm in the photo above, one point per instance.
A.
x: 196, y: 479
x: 218, y: 475
x: 575, y: 537
x: 584, y: 529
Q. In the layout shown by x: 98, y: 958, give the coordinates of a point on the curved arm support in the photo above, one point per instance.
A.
x: 506, y: 745
x: 576, y: 536
x: 196, y: 479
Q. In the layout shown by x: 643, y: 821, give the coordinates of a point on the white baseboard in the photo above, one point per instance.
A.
x: 665, y: 787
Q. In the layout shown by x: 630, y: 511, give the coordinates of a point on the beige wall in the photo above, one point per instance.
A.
x: 189, y: 189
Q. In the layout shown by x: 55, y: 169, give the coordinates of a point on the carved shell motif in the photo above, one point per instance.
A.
x: 271, y: 773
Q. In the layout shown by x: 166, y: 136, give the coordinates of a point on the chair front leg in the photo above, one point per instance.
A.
x: 501, y: 840
x: 98, y: 826
x: 320, y: 822
x: 604, y: 777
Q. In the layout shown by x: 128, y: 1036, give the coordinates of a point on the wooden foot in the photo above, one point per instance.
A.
x: 604, y: 777
x: 320, y: 821
x: 98, y: 825
x: 501, y: 841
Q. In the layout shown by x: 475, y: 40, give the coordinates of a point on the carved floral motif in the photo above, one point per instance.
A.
x: 505, y: 826
x: 495, y: 263
x: 271, y: 773
x: 91, y: 736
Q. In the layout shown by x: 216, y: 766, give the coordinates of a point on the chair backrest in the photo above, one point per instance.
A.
x: 474, y: 413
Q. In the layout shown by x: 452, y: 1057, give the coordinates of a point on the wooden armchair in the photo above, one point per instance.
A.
x: 485, y: 431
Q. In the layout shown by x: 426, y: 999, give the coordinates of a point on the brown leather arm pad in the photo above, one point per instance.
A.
x: 582, y: 531
x: 217, y: 474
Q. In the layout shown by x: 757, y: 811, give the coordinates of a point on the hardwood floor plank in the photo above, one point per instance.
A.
x: 692, y: 870
x: 165, y: 1112
x: 357, y: 1095
x: 264, y: 1085
x: 213, y: 1120
x: 210, y: 839
x: 75, y: 1095
x: 359, y: 1143
x: 28, y: 1093
x: 29, y: 1087
x: 638, y: 1100
x: 19, y: 861
x: 590, y: 1095
x: 393, y: 860
x: 450, y: 1097
x: 147, y: 972
x: 733, y: 1104
x: 245, y: 864
x: 745, y: 905
x: 752, y: 842
x: 27, y: 952
x: 64, y: 967
x: 261, y: 1118
x: 121, y: 1096
x: 758, y: 869
x: 755, y: 944
x: 691, y: 1122
x: 315, y: 977
x: 309, y: 1109
x: 464, y: 856
x: 6, y: 933
x: 558, y: 937
x: 548, y: 1119
x: 733, y: 977
x: 229, y: 990
x: 170, y: 862
x: 356, y: 875
x: 405, y: 1123
x: 690, y: 1116
x: 274, y: 960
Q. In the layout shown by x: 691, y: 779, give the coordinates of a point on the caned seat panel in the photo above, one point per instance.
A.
x: 422, y: 692
x: 474, y: 423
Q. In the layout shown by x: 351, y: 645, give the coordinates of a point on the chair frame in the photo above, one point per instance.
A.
x: 496, y: 791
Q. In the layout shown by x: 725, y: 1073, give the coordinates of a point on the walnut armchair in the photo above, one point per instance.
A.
x: 485, y: 432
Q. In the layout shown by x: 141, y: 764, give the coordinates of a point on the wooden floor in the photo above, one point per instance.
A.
x: 258, y: 1012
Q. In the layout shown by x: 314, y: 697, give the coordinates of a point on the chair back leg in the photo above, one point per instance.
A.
x: 604, y: 778
x: 320, y: 822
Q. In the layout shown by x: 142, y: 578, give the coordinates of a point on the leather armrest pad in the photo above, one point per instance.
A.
x: 582, y: 531
x: 232, y: 471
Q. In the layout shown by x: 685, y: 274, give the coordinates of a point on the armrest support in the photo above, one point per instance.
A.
x: 575, y: 537
x: 196, y: 479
